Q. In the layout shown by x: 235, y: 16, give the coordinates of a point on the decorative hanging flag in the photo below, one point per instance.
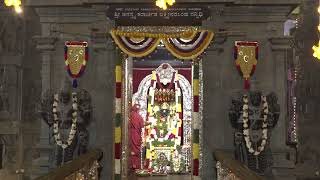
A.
x: 246, y: 56
x: 76, y: 57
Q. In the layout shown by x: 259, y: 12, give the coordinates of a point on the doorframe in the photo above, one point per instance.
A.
x: 123, y: 84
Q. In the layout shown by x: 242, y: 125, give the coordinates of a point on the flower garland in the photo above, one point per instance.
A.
x: 246, y: 131
x: 73, y: 130
x: 172, y: 137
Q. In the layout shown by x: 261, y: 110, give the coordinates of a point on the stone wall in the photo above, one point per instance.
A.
x: 20, y: 70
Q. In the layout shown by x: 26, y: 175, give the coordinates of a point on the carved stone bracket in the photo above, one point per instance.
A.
x: 45, y: 43
x: 11, y: 60
x: 102, y: 42
x: 222, y: 37
x: 280, y: 43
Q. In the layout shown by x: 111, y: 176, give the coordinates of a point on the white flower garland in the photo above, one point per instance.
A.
x: 73, y: 130
x: 246, y: 131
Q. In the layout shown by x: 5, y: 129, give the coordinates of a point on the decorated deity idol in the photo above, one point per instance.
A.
x: 136, y: 124
x: 253, y: 116
x: 165, y: 98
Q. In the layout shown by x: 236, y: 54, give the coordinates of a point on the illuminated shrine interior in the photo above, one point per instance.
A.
x: 159, y: 90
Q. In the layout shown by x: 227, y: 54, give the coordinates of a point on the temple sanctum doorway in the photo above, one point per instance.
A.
x: 164, y: 98
x: 158, y: 128
x: 159, y: 104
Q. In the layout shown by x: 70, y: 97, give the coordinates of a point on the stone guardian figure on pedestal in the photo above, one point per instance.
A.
x: 259, y: 162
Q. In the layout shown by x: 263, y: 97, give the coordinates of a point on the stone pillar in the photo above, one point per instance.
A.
x: 103, y: 89
x: 46, y: 46
x: 217, y: 87
x: 281, y: 50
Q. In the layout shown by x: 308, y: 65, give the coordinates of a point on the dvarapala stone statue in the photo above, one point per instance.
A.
x: 64, y: 111
x: 259, y: 163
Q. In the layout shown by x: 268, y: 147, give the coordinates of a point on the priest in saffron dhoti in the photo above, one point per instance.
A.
x: 136, y: 124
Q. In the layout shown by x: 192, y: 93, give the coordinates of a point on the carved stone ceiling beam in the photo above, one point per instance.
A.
x: 256, y: 14
x: 235, y: 2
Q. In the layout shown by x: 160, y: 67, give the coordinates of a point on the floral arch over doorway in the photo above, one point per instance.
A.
x: 187, y: 45
x: 184, y: 45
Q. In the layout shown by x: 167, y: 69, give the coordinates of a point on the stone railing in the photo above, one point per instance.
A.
x: 230, y: 169
x: 84, y: 167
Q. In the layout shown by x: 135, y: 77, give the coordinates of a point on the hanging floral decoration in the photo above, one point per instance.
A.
x: 56, y: 122
x: 76, y: 57
x: 186, y: 45
x: 246, y: 56
x: 246, y: 130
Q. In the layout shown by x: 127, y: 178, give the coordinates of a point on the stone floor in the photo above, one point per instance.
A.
x: 169, y: 177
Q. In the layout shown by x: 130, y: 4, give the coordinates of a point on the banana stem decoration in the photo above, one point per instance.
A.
x: 163, y: 3
x: 15, y: 3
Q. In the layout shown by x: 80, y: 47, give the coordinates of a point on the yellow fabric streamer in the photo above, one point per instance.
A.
x: 117, y: 137
x: 148, y: 154
x: 118, y: 74
x: 195, y: 151
x: 179, y: 108
x: 196, y: 87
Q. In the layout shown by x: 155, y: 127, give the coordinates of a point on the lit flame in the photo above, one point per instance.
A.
x: 316, y: 51
x: 15, y: 3
x: 163, y: 3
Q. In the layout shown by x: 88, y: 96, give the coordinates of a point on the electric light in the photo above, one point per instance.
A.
x: 163, y: 3
x: 316, y: 51
x: 15, y: 3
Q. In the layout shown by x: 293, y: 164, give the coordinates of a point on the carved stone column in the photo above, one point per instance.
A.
x: 103, y: 53
x: 46, y: 46
x: 281, y: 50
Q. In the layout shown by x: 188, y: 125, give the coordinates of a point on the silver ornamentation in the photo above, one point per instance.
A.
x: 140, y: 97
